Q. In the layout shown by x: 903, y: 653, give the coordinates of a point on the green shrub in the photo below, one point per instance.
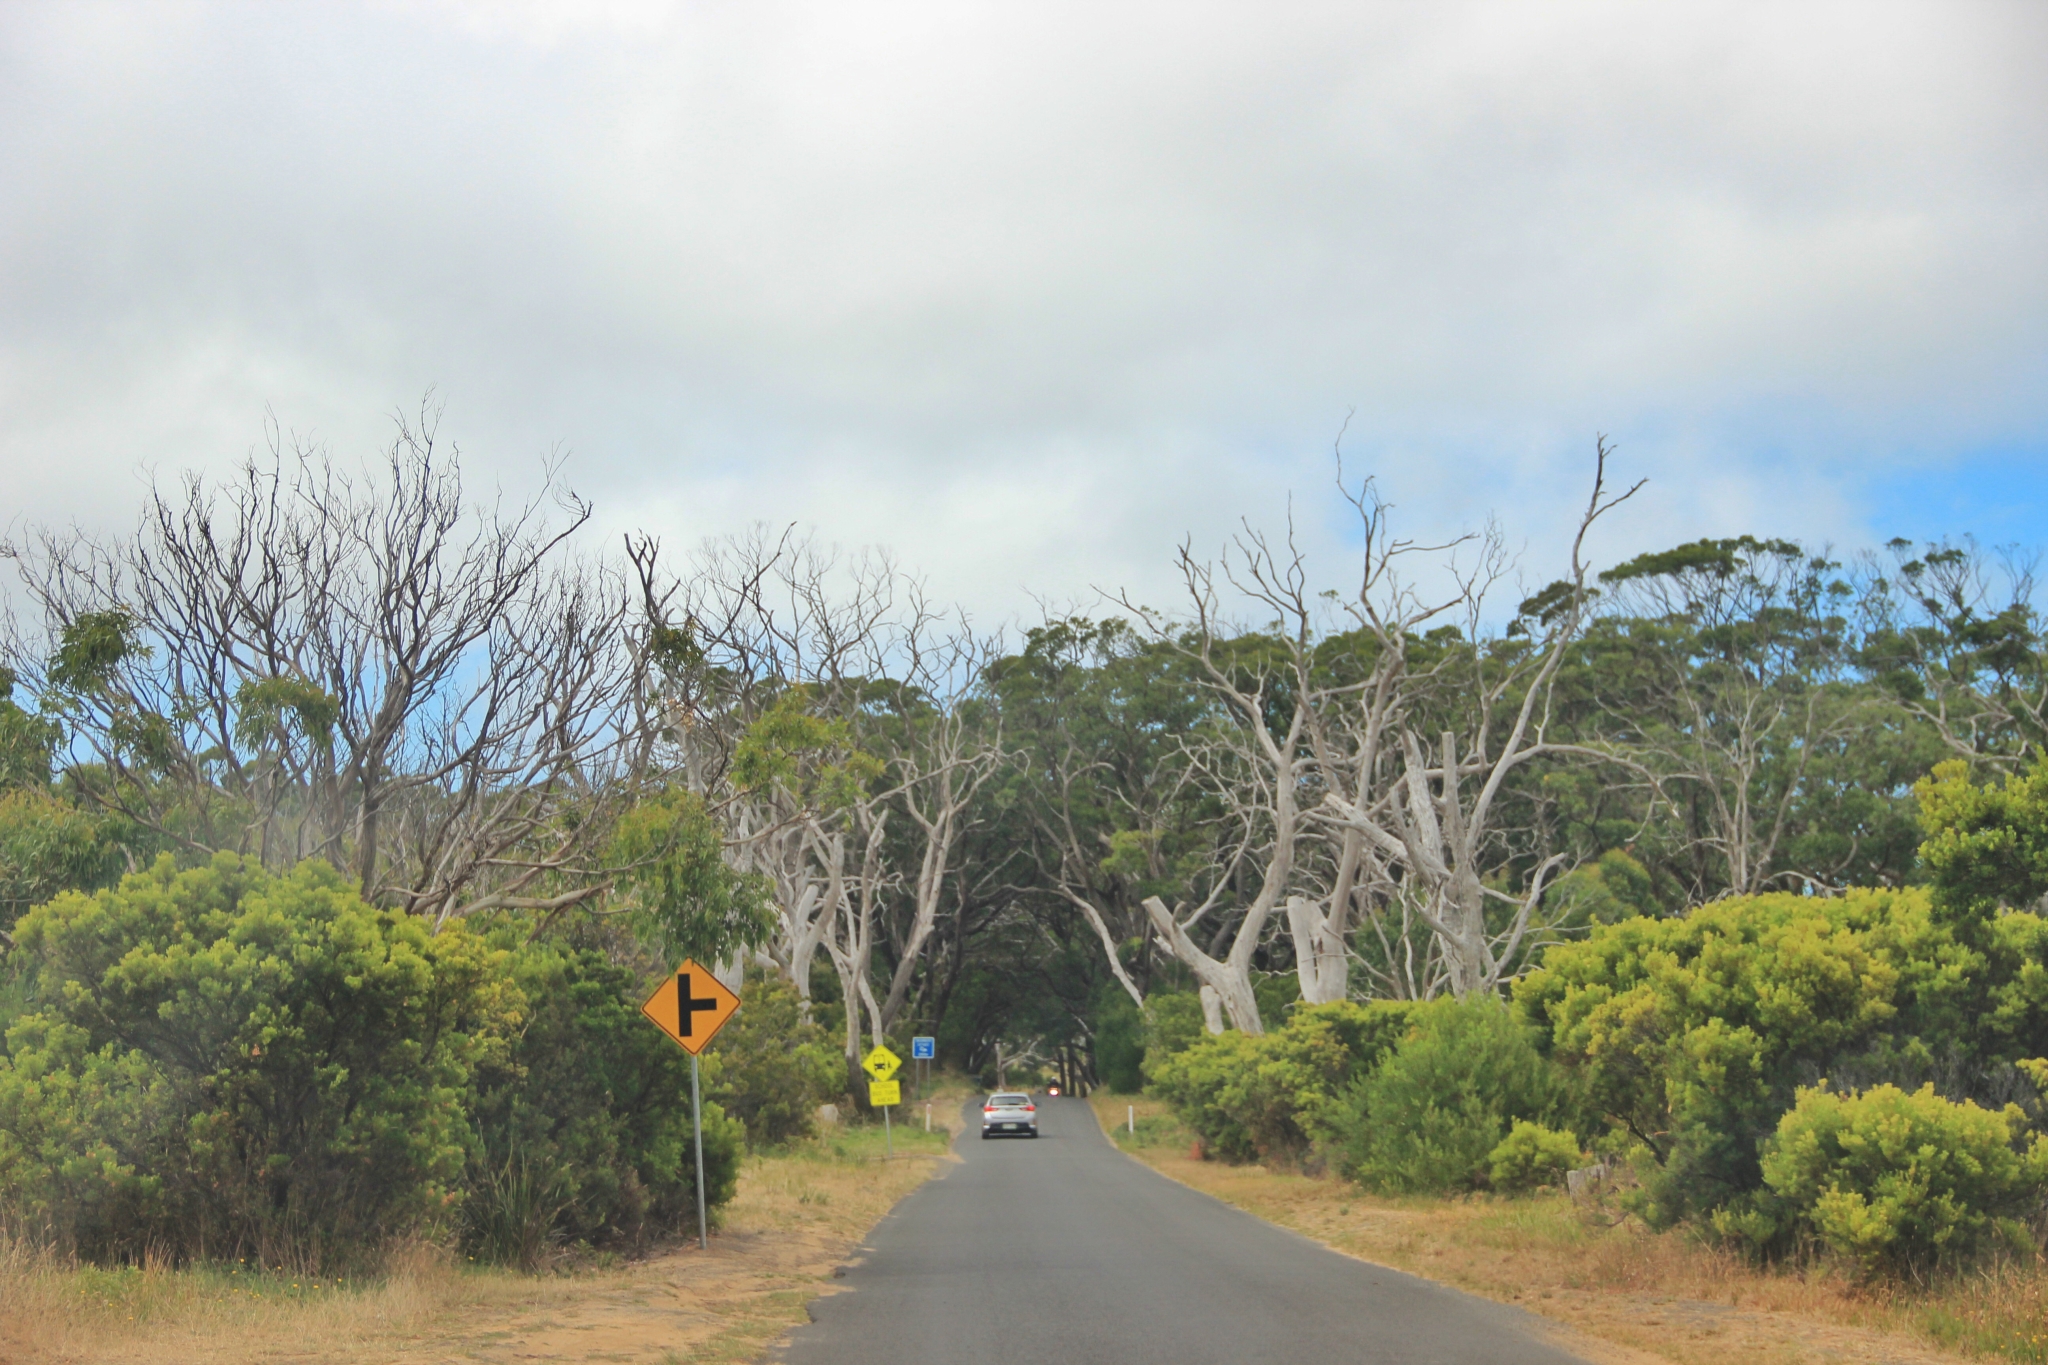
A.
x: 1530, y: 1156
x: 1119, y: 1041
x: 1205, y: 1085
x: 85, y: 1134
x: 221, y: 1061
x: 1263, y: 1097
x: 1693, y: 1034
x: 1429, y: 1117
x: 49, y: 845
x: 1173, y: 1022
x: 1894, y: 1183
x: 1986, y: 847
x: 582, y: 1118
x: 775, y: 1067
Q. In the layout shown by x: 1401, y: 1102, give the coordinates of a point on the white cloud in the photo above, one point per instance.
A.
x: 1029, y: 293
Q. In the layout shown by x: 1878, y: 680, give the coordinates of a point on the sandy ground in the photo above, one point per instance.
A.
x: 1620, y: 1296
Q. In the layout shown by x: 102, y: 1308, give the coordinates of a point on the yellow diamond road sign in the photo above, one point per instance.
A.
x: 690, y: 1006
x: 880, y: 1064
x: 882, y: 1094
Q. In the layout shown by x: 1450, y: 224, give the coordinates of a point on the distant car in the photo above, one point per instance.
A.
x: 1009, y: 1112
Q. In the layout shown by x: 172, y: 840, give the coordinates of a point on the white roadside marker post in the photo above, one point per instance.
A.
x: 927, y: 1118
x: 1131, y: 1118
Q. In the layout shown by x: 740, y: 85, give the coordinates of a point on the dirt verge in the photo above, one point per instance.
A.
x: 799, y: 1216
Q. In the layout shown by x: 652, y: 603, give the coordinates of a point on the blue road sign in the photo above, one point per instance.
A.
x: 923, y: 1049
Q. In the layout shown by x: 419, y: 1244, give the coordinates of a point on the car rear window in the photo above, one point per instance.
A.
x: 1009, y: 1101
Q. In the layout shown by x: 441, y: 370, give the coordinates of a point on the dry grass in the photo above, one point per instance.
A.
x: 1666, y: 1295
x: 799, y: 1215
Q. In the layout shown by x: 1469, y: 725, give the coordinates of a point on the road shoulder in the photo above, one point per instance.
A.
x: 799, y: 1217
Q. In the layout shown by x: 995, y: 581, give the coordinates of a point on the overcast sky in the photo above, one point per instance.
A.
x: 1028, y: 293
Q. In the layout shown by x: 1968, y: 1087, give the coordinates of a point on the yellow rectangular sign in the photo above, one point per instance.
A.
x: 884, y: 1093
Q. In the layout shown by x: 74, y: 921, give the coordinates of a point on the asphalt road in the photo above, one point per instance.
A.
x: 1063, y: 1251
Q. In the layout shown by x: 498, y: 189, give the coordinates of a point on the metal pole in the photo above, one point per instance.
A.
x: 888, y: 1140
x: 697, y: 1123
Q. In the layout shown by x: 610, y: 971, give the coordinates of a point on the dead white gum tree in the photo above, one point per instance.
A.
x: 1360, y: 785
x: 356, y: 665
x: 863, y: 690
x: 1421, y: 809
x: 915, y: 711
x: 756, y: 621
x: 1259, y: 763
x: 940, y: 768
x: 1253, y: 761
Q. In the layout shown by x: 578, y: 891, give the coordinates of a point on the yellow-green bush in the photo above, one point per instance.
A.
x: 1894, y: 1182
x: 1692, y: 1034
x: 775, y: 1067
x: 1530, y: 1156
x: 220, y: 1061
x: 1263, y: 1096
x: 1429, y: 1116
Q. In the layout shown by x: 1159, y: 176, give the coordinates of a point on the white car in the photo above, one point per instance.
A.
x: 1009, y: 1112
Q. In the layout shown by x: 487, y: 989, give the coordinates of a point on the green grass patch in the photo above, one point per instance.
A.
x: 142, y: 1293
x: 867, y: 1142
x: 1153, y: 1130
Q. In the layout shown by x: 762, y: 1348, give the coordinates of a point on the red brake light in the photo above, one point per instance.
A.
x: 1030, y: 1108
x: 988, y: 1109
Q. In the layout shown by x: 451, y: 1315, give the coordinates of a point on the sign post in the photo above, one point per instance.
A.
x: 673, y: 1008
x: 923, y: 1050
x: 883, y: 1091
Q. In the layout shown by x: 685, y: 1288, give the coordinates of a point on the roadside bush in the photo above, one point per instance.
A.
x: 1263, y: 1097
x: 582, y: 1116
x: 1531, y: 1156
x: 1693, y: 1035
x: 49, y: 845
x: 1429, y: 1117
x: 1893, y: 1183
x: 84, y: 1136
x: 1173, y: 1022
x: 775, y: 1068
x: 224, y: 1062
x: 1986, y: 856
x: 221, y: 1061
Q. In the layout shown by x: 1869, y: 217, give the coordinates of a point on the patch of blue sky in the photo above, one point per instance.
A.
x: 1997, y: 493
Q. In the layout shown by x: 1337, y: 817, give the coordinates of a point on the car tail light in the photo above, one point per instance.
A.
x: 988, y: 1109
x: 1030, y: 1108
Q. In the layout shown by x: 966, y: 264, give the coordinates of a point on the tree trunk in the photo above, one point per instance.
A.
x: 1322, y: 960
x: 1226, y: 983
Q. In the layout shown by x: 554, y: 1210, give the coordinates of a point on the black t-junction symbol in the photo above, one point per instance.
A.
x: 687, y: 1005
